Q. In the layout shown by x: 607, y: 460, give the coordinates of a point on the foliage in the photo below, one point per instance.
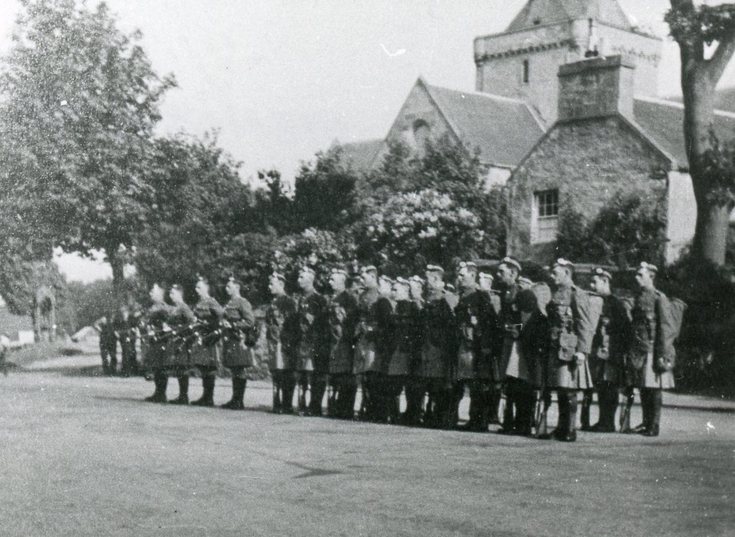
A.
x: 689, y: 23
x: 630, y: 228
x: 86, y: 302
x: 273, y: 206
x: 80, y: 102
x: 20, y: 279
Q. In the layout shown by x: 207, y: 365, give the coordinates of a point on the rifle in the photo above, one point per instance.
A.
x: 625, y: 414
x: 542, y: 408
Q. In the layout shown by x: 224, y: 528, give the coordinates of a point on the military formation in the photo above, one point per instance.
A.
x: 407, y: 351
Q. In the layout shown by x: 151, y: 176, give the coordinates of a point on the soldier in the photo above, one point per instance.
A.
x: 414, y: 391
x: 438, y: 351
x: 450, y: 293
x: 511, y: 368
x: 477, y: 326
x: 609, y: 347
x: 652, y: 354
x: 281, y: 333
x: 125, y: 325
x: 108, y: 343
x: 155, y: 344
x: 572, y: 326
x: 182, y: 321
x: 404, y: 346
x: 381, y: 388
x: 524, y: 282
x: 373, y: 317
x: 357, y: 286
x: 312, y: 357
x: 207, y: 347
x: 342, y: 319
x: 240, y: 335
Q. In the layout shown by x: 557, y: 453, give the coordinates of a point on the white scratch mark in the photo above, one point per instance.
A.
x: 399, y: 52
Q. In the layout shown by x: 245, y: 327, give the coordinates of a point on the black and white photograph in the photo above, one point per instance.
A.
x: 355, y: 268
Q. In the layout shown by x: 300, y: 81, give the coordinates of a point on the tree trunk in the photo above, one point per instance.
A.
x: 118, y: 277
x: 710, y: 236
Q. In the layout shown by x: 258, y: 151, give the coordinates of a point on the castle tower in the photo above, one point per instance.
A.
x: 523, y: 62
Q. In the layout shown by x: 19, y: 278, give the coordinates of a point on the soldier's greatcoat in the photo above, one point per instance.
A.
x: 180, y: 318
x: 312, y: 348
x: 235, y: 352
x: 652, y: 342
x: 404, y: 338
x: 281, y: 331
x: 372, y: 341
x: 207, y: 347
x: 611, y: 341
x: 477, y: 328
x: 572, y: 325
x: 154, y: 344
x: 342, y: 321
x: 438, y: 336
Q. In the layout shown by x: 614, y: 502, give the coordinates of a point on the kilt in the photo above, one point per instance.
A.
x: 155, y: 355
x: 365, y: 356
x: 236, y: 354
x: 569, y: 375
x: 432, y: 362
x: 399, y: 364
x: 277, y: 359
x: 652, y: 379
x: 604, y: 371
x: 341, y: 357
x: 205, y: 355
x: 514, y: 364
x: 305, y: 356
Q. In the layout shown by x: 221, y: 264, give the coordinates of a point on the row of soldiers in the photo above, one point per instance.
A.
x: 394, y: 337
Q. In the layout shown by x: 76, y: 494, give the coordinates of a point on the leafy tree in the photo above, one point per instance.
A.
x: 711, y: 160
x: 79, y: 104
x: 273, y: 207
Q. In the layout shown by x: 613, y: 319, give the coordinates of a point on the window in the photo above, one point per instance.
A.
x: 526, y: 74
x: 421, y: 134
x: 545, y: 220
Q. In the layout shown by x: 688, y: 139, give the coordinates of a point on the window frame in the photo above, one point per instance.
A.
x: 545, y: 216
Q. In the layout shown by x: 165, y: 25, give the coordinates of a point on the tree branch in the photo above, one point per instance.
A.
x: 718, y: 62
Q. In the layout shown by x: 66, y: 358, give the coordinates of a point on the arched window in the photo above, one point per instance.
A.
x: 421, y: 134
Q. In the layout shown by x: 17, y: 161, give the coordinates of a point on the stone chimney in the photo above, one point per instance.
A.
x: 596, y: 87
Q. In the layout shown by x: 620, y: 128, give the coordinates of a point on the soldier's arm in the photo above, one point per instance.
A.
x: 665, y: 329
x: 585, y: 322
x: 247, y: 315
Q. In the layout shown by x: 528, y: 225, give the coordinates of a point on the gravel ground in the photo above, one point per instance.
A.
x: 83, y: 455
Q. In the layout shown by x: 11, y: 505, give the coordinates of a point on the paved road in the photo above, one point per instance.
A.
x: 82, y: 455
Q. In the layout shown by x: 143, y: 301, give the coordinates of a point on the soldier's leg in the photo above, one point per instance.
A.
x: 608, y: 401
x: 414, y: 397
x: 160, y: 381
x: 628, y: 400
x: 571, y: 427
x: 495, y: 394
x: 112, y: 351
x: 525, y: 407
x: 508, y: 425
x: 349, y: 394
x: 207, y: 398
x: 288, y: 380
x: 239, y: 382
x: 183, y: 380
x: 105, y: 360
x: 645, y: 410
x: 655, y: 402
x: 563, y: 421
x: 334, y: 397
x: 318, y: 387
x: 277, y: 390
x: 587, y: 396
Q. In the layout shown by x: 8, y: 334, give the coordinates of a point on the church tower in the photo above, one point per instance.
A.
x: 523, y: 62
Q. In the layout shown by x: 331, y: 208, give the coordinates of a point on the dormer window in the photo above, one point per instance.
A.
x: 526, y: 72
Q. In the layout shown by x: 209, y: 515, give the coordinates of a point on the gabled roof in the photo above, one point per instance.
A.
x: 542, y: 12
x: 663, y: 122
x: 503, y: 129
x: 361, y: 155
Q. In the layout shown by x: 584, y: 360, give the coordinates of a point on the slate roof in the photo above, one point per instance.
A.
x: 503, y: 129
x: 361, y: 155
x: 554, y: 11
x: 662, y: 121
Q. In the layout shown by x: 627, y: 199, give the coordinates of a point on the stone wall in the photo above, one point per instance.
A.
x: 588, y: 161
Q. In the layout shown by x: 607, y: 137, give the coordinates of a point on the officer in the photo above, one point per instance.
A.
x: 240, y: 335
x: 477, y: 327
x: 108, y: 343
x: 511, y: 368
x: 414, y: 390
x: 312, y: 355
x: 182, y: 322
x: 155, y: 342
x: 404, y: 346
x: 652, y: 353
x: 374, y: 313
x: 609, y: 348
x: 207, y: 347
x: 342, y: 319
x: 281, y: 333
x: 438, y: 351
x: 572, y: 326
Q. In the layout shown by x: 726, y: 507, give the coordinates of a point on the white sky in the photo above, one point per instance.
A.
x: 282, y: 79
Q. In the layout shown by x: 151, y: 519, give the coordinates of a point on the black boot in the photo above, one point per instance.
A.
x: 494, y: 396
x: 654, y: 413
x: 612, y: 408
x: 348, y: 394
x: 287, y: 388
x: 625, y: 413
x: 207, y: 398
x: 183, y: 398
x: 317, y: 397
x: 646, y: 409
x: 585, y: 413
x: 562, y: 424
x: 277, y: 394
x: 571, y: 427
x: 160, y: 381
x: 509, y: 425
x: 238, y: 394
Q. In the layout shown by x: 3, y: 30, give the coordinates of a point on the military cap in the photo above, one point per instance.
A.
x: 385, y: 278
x: 417, y: 279
x: 468, y: 265
x: 402, y: 281
x: 649, y: 267
x: 561, y: 262
x: 434, y: 268
x: 308, y: 270
x: 599, y: 271
x: 339, y: 271
x: 450, y: 288
x: 369, y: 268
x: 202, y: 279
x: 524, y: 280
x: 278, y: 276
x: 234, y: 280
x: 485, y: 276
x: 511, y: 263
x: 177, y: 287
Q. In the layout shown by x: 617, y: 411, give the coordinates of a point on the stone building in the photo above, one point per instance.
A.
x: 565, y: 112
